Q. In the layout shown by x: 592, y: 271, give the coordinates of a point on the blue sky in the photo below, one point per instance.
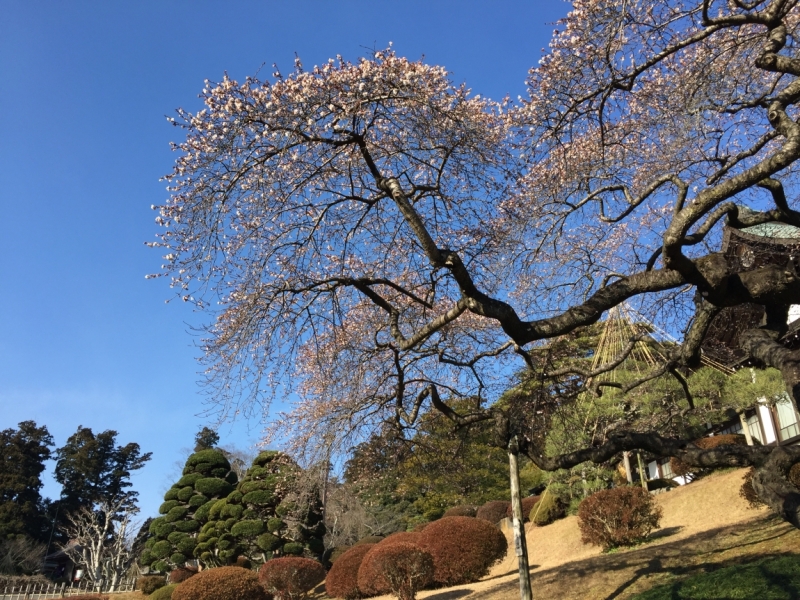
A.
x: 84, y: 89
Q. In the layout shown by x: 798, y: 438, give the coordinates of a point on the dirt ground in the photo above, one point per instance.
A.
x: 706, y: 525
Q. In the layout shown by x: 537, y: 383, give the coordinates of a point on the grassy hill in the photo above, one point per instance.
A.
x: 706, y: 527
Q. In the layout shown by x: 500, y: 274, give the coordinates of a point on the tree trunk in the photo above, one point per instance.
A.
x: 520, y: 545
x: 626, y: 459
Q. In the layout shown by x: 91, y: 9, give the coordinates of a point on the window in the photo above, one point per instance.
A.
x: 787, y: 419
x: 666, y: 469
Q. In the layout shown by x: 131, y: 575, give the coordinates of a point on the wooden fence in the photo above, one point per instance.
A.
x: 41, y: 591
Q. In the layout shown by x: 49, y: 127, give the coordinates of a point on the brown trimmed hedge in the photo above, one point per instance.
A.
x: 147, y: 584
x: 222, y: 583
x: 289, y: 578
x: 680, y: 468
x: 342, y: 580
x: 621, y: 516
x: 462, y: 548
x: 405, y: 568
x: 527, y: 505
x: 370, y: 579
x: 493, y: 511
x: 461, y: 511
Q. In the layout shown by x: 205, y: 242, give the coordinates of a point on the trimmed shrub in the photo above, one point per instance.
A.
x: 268, y: 542
x: 493, y: 511
x: 546, y: 510
x: 212, y: 486
x: 370, y: 578
x: 462, y: 548
x: 748, y: 492
x: 290, y: 578
x: 404, y: 567
x: 147, y: 584
x: 461, y: 511
x: 330, y: 555
x: 527, y: 505
x: 342, y: 580
x: 164, y: 593
x: 620, y: 516
x: 252, y: 528
x: 370, y: 539
x: 181, y: 574
x: 293, y: 548
x: 706, y: 443
x: 223, y: 583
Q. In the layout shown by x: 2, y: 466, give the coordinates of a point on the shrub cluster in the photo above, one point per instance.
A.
x: 264, y: 517
x: 371, y: 580
x: 493, y: 511
x: 181, y: 574
x: 403, y: 566
x: 370, y: 539
x: 207, y: 478
x: 547, y: 509
x: 223, y: 583
x: 290, y: 578
x: 462, y: 548
x: 621, y: 516
x: 342, y: 580
x: 164, y: 593
x: 680, y: 468
x: 147, y: 584
x: 748, y: 492
x: 527, y: 505
x: 461, y: 511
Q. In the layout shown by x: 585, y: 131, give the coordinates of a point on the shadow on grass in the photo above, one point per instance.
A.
x: 451, y: 595
x: 621, y: 573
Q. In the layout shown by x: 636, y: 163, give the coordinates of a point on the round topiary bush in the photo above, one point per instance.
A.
x: 546, y: 510
x: 404, y: 567
x: 462, y: 548
x: 493, y: 511
x: 147, y: 584
x: 342, y: 580
x: 164, y: 593
x: 370, y: 577
x: 290, y: 578
x: 620, y: 516
x: 527, y: 505
x: 222, y: 583
x: 461, y: 511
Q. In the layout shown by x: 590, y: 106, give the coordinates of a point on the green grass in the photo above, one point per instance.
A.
x: 772, y: 578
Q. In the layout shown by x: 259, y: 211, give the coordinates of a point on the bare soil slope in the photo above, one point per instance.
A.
x: 706, y: 525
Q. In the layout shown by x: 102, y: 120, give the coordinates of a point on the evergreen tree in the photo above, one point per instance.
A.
x: 275, y: 511
x: 207, y: 478
x: 205, y: 439
x: 92, y: 468
x: 23, y: 452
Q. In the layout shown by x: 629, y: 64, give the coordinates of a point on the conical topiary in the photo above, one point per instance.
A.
x: 176, y: 535
x: 271, y: 513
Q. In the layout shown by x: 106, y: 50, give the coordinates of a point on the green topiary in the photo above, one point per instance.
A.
x: 246, y: 521
x: 148, y: 584
x: 547, y: 509
x: 164, y: 593
x: 212, y: 486
x: 186, y: 508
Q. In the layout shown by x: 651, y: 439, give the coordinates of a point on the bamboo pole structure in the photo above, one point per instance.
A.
x: 520, y: 544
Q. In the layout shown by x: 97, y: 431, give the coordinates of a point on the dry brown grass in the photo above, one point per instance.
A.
x: 706, y: 525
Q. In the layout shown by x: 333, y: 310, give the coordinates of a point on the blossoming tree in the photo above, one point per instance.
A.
x: 393, y: 243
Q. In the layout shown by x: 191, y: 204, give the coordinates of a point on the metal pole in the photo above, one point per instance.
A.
x: 520, y: 545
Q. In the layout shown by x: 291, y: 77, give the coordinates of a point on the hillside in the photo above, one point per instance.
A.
x: 706, y: 525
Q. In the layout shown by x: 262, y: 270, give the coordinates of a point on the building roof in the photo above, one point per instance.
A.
x: 774, y: 230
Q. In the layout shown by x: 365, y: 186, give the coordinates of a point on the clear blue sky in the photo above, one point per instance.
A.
x: 84, y: 89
